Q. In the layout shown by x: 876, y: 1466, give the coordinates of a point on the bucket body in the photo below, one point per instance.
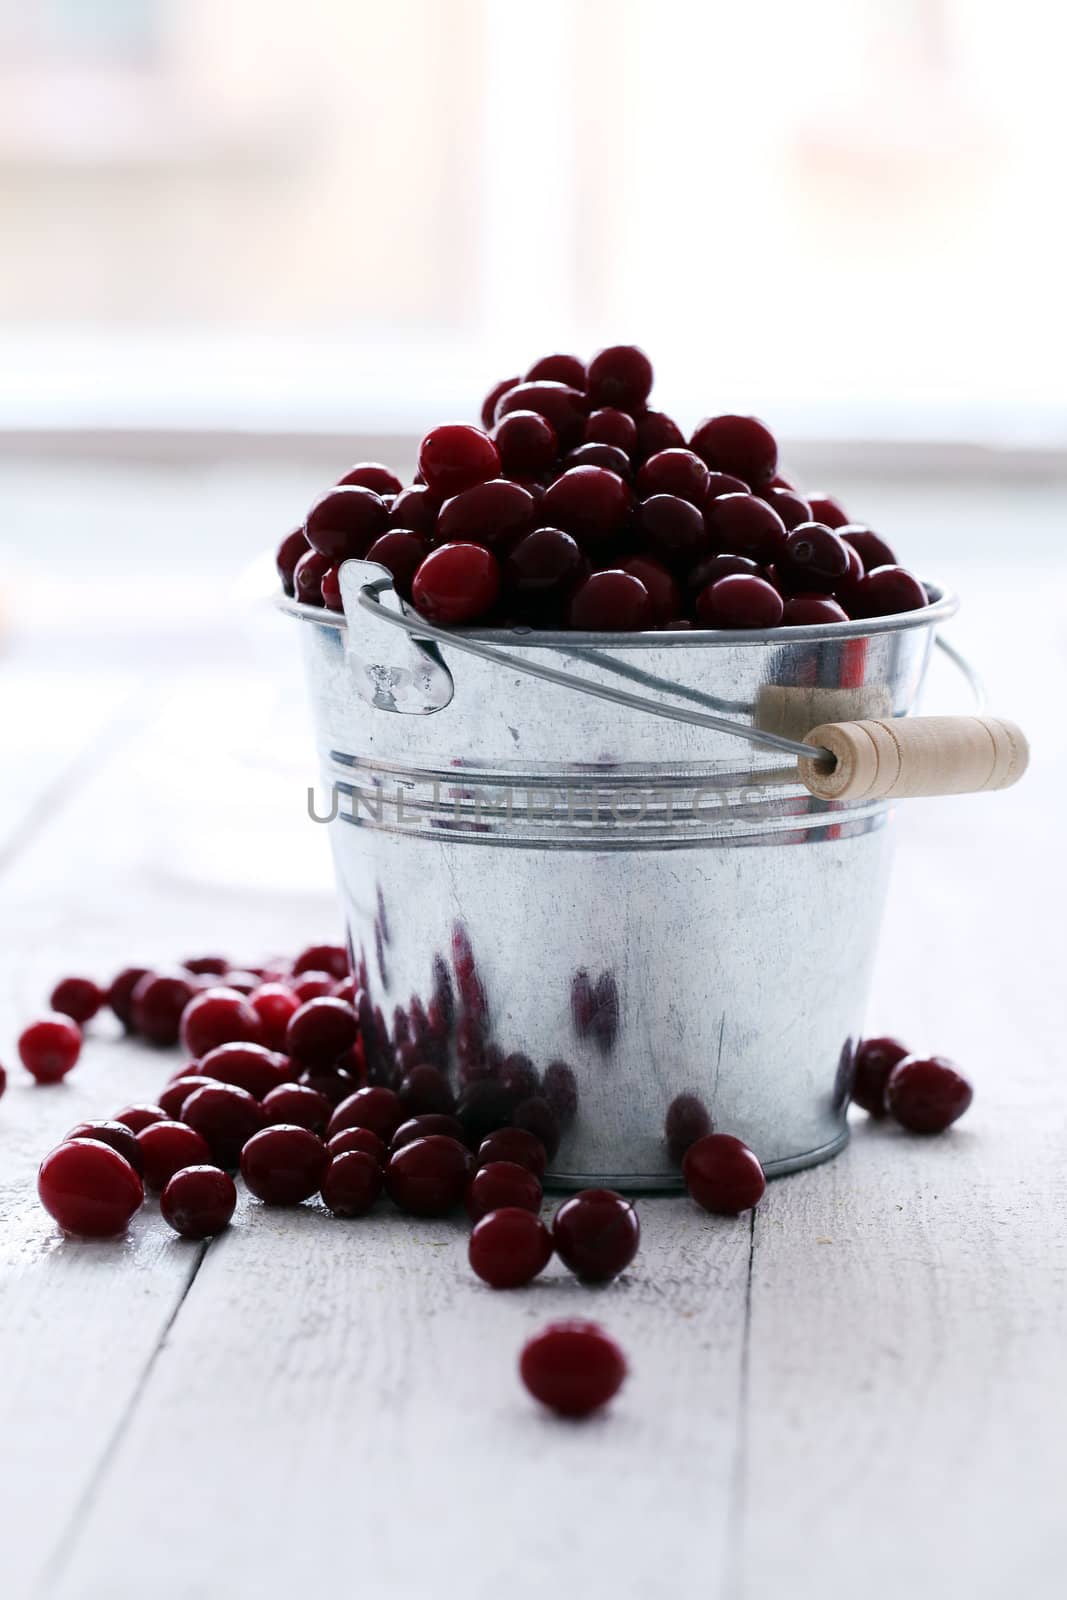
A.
x: 641, y: 926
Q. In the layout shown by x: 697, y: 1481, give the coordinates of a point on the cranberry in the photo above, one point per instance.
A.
x: 345, y: 522
x: 415, y: 511
x: 871, y: 549
x: 208, y: 966
x: 249, y: 1066
x: 219, y: 1016
x: 297, y: 1105
x: 456, y: 583
x: 612, y: 601
x: 429, y: 1177
x: 483, y: 1107
x: 673, y: 528
x: 372, y: 475
x: 455, y: 456
x: 137, y: 1117
x: 712, y: 568
x: 675, y: 472
x: 493, y: 399
x: 513, y: 1147
x: 320, y: 1032
x: 198, y: 1202
x: 120, y: 993
x: 720, y: 483
x: 739, y: 445
x: 273, y: 1004
x: 509, y: 1246
x: 803, y: 609
x: 177, y: 1093
x: 620, y: 376
x: 927, y: 1094
x: 312, y: 986
x: 687, y: 1120
x: 292, y: 547
x: 600, y: 455
x: 89, y: 1189
x: 885, y: 592
x: 331, y: 589
x: 722, y: 1174
x: 352, y: 1184
x: 3, y: 1081
x: 655, y: 431
x: 535, y: 1115
x: 166, y: 1147
x: 337, y: 1084
x: 226, y: 1116
x: 875, y: 1060
x: 50, y: 1047
x: 420, y: 1127
x: 77, y: 998
x: 358, y: 1139
x: 346, y: 991
x: 560, y: 1088
x: 609, y: 426
x: 308, y: 579
x: 596, y: 1234
x: 745, y: 525
x: 543, y: 570
x: 590, y: 503
x: 494, y: 514
x: 245, y: 983
x: 564, y: 406
x: 572, y: 1367
x: 425, y: 1088
x: 558, y: 369
x: 815, y: 551
x: 115, y: 1134
x: 502, y: 1183
x: 526, y: 443
x: 157, y: 1005
x: 790, y: 507
x: 376, y: 1108
x: 284, y: 1165
x: 740, y: 602
x: 827, y: 511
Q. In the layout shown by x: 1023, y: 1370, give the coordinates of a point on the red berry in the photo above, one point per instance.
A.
x: 509, y: 1246
x: 177, y: 1093
x: 514, y: 1146
x: 376, y: 1108
x: 249, y: 1066
x: 456, y: 583
x: 292, y: 547
x: 158, y: 1004
x: 673, y: 529
x: 816, y: 553
x: 612, y: 601
x: 140, y: 1116
x: 596, y: 1234
x: 493, y: 399
x: 558, y: 369
x: 600, y: 455
x: 198, y: 1202
x: 572, y: 1367
x: 720, y: 483
x: 415, y: 510
x: 739, y: 602
x: 655, y: 431
x: 429, y: 1177
x: 167, y: 1147
x: 804, y: 609
x: 344, y: 523
x: 455, y: 456
x: 425, y: 1089
x: 273, y: 1004
x: 590, y: 503
x: 927, y: 1094
x: 827, y: 511
x: 208, y: 966
x: 89, y: 1189
x: 331, y: 589
x: 502, y: 1183
x: 120, y: 993
x: 494, y: 514
x: 687, y: 1120
x: 422, y: 1126
x: 50, y: 1047
x: 677, y: 472
x: 219, y: 1016
x: 3, y: 1081
x: 308, y: 579
x: 226, y: 1116
x: 620, y: 376
x: 400, y: 552
x: 526, y: 443
x: 542, y: 571
x: 871, y: 549
x: 885, y: 592
x: 77, y: 998
x: 722, y: 1174
x: 789, y: 506
x: 115, y: 1134
x: 372, y: 475
x: 358, y: 1139
x: 738, y: 445
x: 297, y: 1105
x: 329, y: 958
x: 312, y: 986
x: 609, y: 426
x: 320, y: 1032
x: 712, y: 568
x: 875, y: 1060
x: 745, y: 525
x: 352, y: 1184
x: 564, y: 406
x: 284, y: 1165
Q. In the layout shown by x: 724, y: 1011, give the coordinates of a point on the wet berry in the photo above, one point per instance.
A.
x: 89, y: 1189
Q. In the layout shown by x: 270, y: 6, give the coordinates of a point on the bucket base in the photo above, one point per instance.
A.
x: 661, y: 1183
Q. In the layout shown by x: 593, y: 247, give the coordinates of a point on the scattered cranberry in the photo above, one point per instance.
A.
x: 284, y: 1165
x: 564, y: 406
x: 429, y: 1178
x: 120, y: 993
x: 620, y: 376
x: 673, y: 528
x: 226, y: 1116
x: 115, y: 1134
x: 610, y: 426
x: 157, y: 1005
x: 887, y: 591
x: 372, y: 475
x: 675, y: 472
x: 50, y: 1047
x: 817, y: 552
x: 273, y: 1004
x: 493, y: 514
x: 927, y: 1094
x: 456, y: 456
x: 801, y: 610
x: 166, y: 1147
x: 77, y: 998
x: 249, y: 1066
x: 358, y: 1139
x: 140, y: 1116
x: 219, y: 1016
x: 738, y: 445
x: 291, y: 549
x: 297, y: 1105
x: 89, y: 1189
x: 376, y: 1108
x: 456, y: 583
x: 610, y: 602
x: 722, y: 1174
x: 827, y: 511
x: 509, y: 1247
x: 514, y: 1146
x: 493, y: 399
x: 572, y: 1367
x: 422, y: 1126
x: 740, y: 602
x: 526, y: 443
x: 499, y: 1184
x: 400, y: 551
x: 875, y: 1060
x: 687, y: 1120
x: 320, y: 1032
x: 596, y: 1234
x: 352, y: 1184
x: 344, y: 523
x: 177, y: 1093
x: 559, y: 369
x: 198, y: 1202
x: 425, y: 1088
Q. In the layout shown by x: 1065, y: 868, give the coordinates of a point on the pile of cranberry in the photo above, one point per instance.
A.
x: 578, y: 506
x: 277, y: 1089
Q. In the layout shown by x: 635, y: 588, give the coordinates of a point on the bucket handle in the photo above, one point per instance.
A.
x: 874, y: 759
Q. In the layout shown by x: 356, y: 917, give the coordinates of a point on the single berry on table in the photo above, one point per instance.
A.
x: 572, y: 1367
x: 89, y: 1189
x: 509, y: 1247
x: 198, y: 1201
x: 723, y: 1175
x: 596, y: 1234
x: 77, y: 998
x: 49, y: 1048
x: 875, y: 1060
x: 927, y: 1094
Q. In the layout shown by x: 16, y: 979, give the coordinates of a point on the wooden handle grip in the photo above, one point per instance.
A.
x: 906, y: 756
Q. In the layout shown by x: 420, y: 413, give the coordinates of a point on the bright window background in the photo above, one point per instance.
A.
x: 341, y: 214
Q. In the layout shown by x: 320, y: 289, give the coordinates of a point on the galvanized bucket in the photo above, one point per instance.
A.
x: 650, y: 912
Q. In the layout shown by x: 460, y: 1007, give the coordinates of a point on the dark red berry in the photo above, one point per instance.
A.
x: 610, y: 426
x: 311, y: 571
x: 514, y: 1146
x: 77, y: 998
x: 564, y: 406
x: 676, y: 472
x: 456, y: 583
x: 249, y: 1066
x: 572, y: 1367
x: 801, y: 610
x: 331, y: 958
x: 885, y: 592
x: 120, y: 993
x: 344, y: 523
x: 720, y: 483
x: 673, y: 529
x: 738, y: 445
x: 619, y: 376
x: 455, y: 456
x: 284, y: 1165
x: 875, y: 1060
x: 560, y: 1088
x: 502, y: 1183
x: 166, y: 1147
x: 542, y: 571
x: 425, y: 1088
x: 312, y: 986
x: 739, y: 602
x: 158, y: 1004
x: 3, y: 1081
x: 746, y: 525
x: 89, y: 1189
x: 320, y: 1032
x: 376, y: 1108
x: 590, y: 503
x: 218, y: 1016
x: 927, y: 1094
x: 494, y: 514
x: 558, y: 369
x: 49, y: 1048
x: 712, y: 568
x: 596, y: 1234
x: 429, y: 1177
x: 426, y: 1123
x: 687, y: 1120
x: 611, y: 602
x: 117, y: 1135
x: 226, y: 1116
x: 493, y: 399
x: 292, y: 547
x: 177, y: 1092
x: 655, y: 431
x: 790, y: 507
x: 816, y: 552
x: 198, y: 1202
x: 352, y: 1184
x: 372, y: 475
x: 140, y: 1116
x: 273, y: 1004
x: 871, y: 549
x: 297, y: 1105
x: 722, y: 1174
x: 600, y: 455
x: 509, y: 1246
x: 208, y: 966
x: 828, y: 511
x: 484, y: 1106
x: 415, y: 511
x: 358, y: 1139
x: 400, y: 552
x: 526, y: 443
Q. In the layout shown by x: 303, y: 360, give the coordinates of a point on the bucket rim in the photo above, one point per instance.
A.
x: 943, y: 604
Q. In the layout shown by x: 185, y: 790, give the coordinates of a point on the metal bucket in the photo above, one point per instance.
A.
x: 655, y: 910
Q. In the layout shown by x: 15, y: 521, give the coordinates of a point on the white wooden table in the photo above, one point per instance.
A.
x: 862, y: 1389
